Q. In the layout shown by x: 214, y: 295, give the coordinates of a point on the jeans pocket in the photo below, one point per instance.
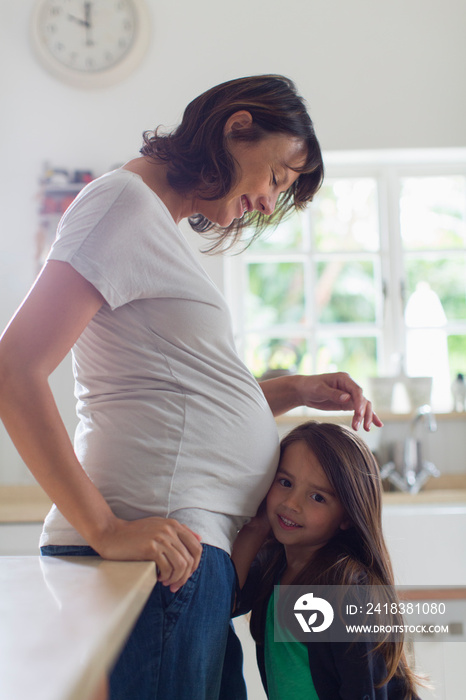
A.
x: 176, y: 603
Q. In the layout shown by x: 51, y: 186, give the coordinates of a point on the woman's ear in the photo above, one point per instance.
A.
x: 238, y: 121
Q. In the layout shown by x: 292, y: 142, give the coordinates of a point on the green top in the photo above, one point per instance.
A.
x: 286, y: 665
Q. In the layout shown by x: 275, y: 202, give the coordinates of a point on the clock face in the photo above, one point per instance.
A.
x: 89, y: 43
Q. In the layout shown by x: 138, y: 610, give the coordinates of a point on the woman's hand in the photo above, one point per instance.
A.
x: 338, y: 392
x: 328, y: 392
x: 174, y: 548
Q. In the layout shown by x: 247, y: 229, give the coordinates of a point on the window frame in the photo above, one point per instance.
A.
x: 388, y: 168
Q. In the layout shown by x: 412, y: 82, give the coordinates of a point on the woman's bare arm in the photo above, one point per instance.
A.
x: 329, y: 392
x: 50, y: 320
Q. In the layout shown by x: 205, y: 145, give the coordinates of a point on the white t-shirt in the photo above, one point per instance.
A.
x: 171, y: 423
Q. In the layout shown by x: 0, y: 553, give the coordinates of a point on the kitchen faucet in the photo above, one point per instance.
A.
x: 408, y: 471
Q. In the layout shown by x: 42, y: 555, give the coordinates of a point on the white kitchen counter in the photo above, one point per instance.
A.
x: 63, y: 622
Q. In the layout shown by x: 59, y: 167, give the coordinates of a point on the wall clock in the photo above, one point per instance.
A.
x: 90, y: 44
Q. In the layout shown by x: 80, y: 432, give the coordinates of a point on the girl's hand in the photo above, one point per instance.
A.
x: 174, y: 548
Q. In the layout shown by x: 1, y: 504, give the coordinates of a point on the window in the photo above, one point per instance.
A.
x: 370, y: 278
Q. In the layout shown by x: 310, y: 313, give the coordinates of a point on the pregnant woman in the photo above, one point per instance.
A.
x: 176, y: 443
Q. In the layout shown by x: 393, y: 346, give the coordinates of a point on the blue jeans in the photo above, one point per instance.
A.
x: 183, y: 646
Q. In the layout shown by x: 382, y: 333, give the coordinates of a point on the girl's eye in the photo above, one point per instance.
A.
x: 317, y: 497
x: 274, y: 179
x: 284, y: 482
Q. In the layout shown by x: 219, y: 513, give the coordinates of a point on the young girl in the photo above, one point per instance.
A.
x: 320, y: 525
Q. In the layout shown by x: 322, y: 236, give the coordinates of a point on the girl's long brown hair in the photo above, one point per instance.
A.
x: 200, y: 163
x: 358, y: 555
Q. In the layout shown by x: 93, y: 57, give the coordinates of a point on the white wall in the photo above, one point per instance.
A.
x: 375, y: 75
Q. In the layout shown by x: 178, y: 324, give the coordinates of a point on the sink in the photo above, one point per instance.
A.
x: 446, y: 488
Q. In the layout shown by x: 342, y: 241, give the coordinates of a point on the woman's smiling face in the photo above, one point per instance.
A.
x: 265, y: 169
x: 302, y: 507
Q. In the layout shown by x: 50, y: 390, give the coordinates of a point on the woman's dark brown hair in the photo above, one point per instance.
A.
x: 200, y: 162
x: 354, y: 556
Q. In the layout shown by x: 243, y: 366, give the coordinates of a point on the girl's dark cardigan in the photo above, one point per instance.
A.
x: 340, y: 671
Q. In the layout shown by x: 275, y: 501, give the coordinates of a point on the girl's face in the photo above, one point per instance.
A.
x: 302, y: 507
x: 264, y: 171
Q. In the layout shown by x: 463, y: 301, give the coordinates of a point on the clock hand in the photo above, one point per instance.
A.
x: 87, y: 12
x: 87, y: 15
x: 83, y: 22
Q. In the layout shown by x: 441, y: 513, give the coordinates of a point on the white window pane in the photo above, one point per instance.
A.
x: 265, y: 354
x: 287, y: 236
x: 357, y: 356
x: 309, y: 294
x: 433, y: 211
x: 345, y: 215
x: 275, y: 293
x: 345, y: 291
x: 457, y: 354
x: 446, y: 276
